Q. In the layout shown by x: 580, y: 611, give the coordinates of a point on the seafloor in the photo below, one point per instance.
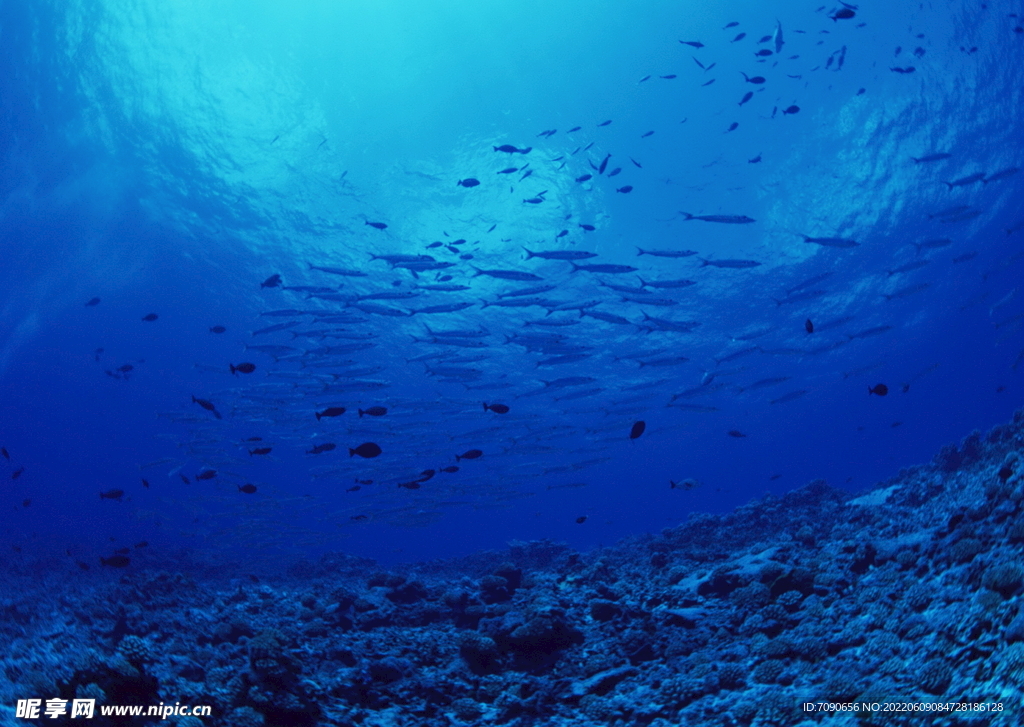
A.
x: 908, y: 593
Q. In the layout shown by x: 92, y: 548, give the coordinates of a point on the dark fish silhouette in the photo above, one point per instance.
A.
x: 605, y: 123
x: 450, y: 468
x: 92, y: 302
x: 331, y: 411
x: 496, y: 408
x: 145, y: 483
x: 694, y: 43
x: 471, y: 454
x: 879, y: 389
x: 217, y: 329
x: 208, y: 405
x: 739, y: 37
x: 150, y: 317
x: 374, y: 411
x: 794, y: 109
x: 112, y: 495
x: 245, y: 368
x: 581, y: 519
x: 5, y: 453
x: 206, y: 475
x: 367, y: 450
x: 842, y: 14
x: 115, y: 561
x: 321, y: 448
x: 637, y: 429
x: 726, y: 219
x: 509, y: 149
x: 248, y: 489
x: 272, y: 282
x: 809, y: 326
x: 509, y: 170
x: 377, y: 225
x: 260, y: 450
x: 468, y: 182
x: 735, y: 433
x: 625, y: 190
x: 746, y: 97
x: 736, y: 264
x: 584, y: 177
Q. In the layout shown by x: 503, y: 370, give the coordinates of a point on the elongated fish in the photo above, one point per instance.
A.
x: 727, y: 219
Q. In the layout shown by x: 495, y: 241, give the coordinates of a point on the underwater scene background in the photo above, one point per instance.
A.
x: 514, y: 363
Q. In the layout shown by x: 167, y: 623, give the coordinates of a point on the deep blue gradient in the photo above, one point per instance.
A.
x: 167, y: 158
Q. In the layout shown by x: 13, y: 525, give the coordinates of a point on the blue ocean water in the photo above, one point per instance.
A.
x: 170, y: 158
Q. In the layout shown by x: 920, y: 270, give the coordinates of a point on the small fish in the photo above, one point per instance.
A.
x: 931, y: 158
x: 831, y: 241
x: 584, y: 178
x: 625, y: 190
x: 789, y: 397
x: 217, y: 329
x: 733, y: 126
x: 509, y: 170
x: 581, y: 519
x: 507, y: 274
x: 509, y: 149
x: 377, y: 225
x: 964, y: 181
x: 604, y: 268
x: 764, y: 53
x: 736, y: 433
x: 208, y: 405
x: 693, y: 43
x: 666, y: 253
x: 367, y: 450
x: 206, y: 475
x: 471, y: 454
x: 145, y: 483
x: 354, y: 488
x: 321, y: 448
x: 150, y: 317
x: 746, y: 97
x: 496, y: 408
x: 684, y: 485
x: 794, y: 109
x: 92, y: 302
x: 5, y: 453
x: 560, y: 254
x: 736, y: 264
x: 726, y: 219
x: 637, y: 429
x: 616, y: 171
x: 878, y: 389
x: 738, y: 38
x: 903, y: 70
x: 245, y: 368
x: 272, y: 282
x: 605, y: 123
x: 913, y: 265
x: 112, y: 495
x: 260, y: 451
x: 247, y: 488
x: 115, y: 561
x: 374, y: 411
x: 331, y: 411
x: 574, y: 129
x: 468, y: 182
x: 842, y: 14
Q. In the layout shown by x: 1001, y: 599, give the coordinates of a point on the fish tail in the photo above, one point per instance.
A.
x: 777, y: 301
x: 527, y: 150
x: 361, y: 412
x: 703, y: 263
x: 318, y: 415
x: 575, y: 267
x: 949, y: 184
x: 235, y: 370
x: 485, y: 406
x: 351, y: 452
x: 529, y: 254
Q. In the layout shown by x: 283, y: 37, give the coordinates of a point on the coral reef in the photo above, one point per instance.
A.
x: 911, y: 591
